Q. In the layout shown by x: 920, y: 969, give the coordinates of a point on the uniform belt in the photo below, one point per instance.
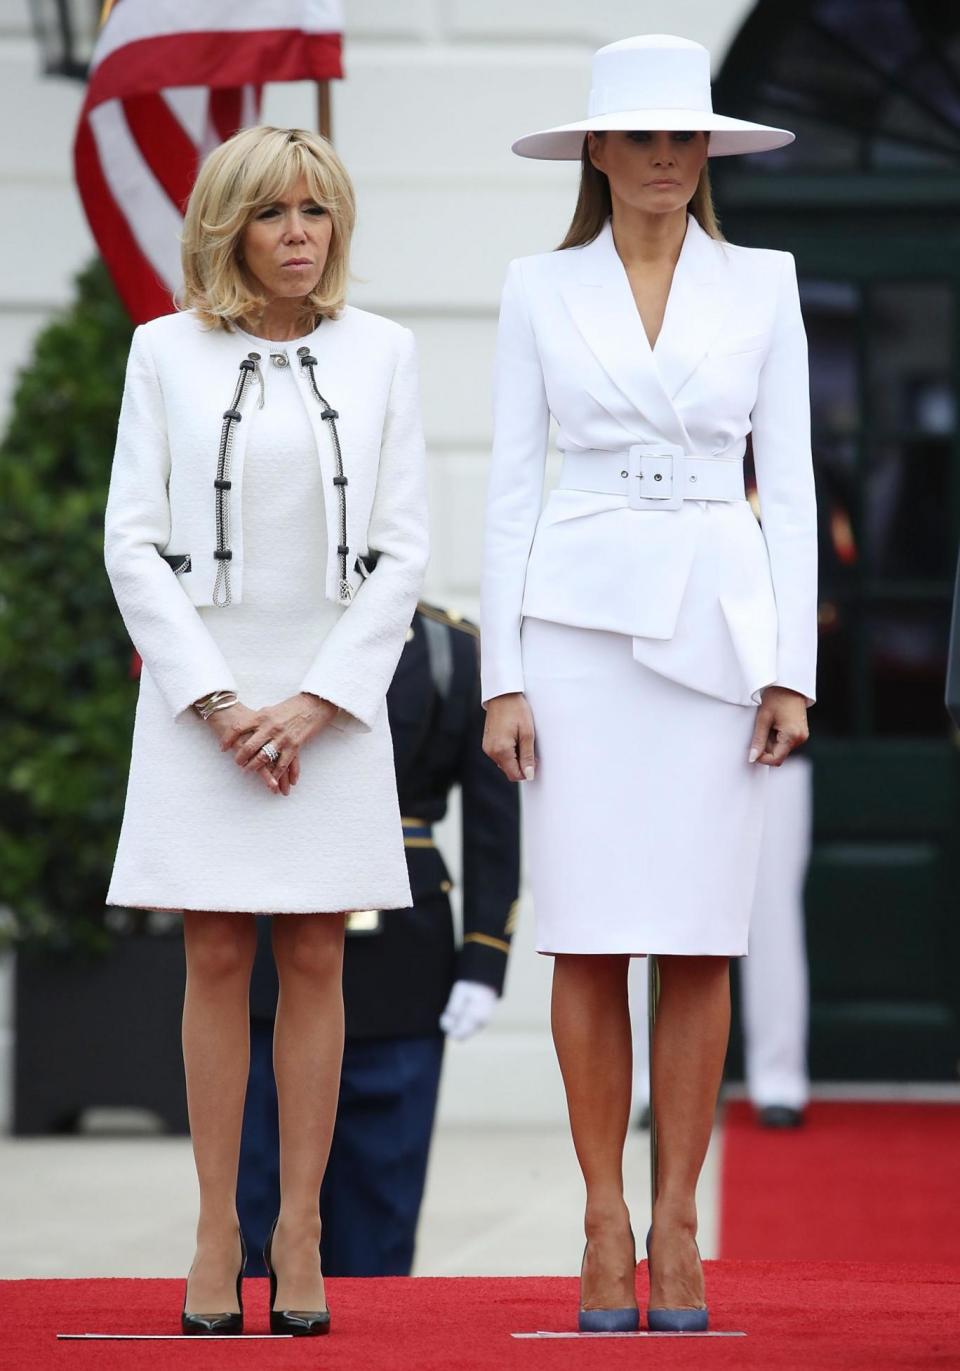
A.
x: 654, y: 475
x: 417, y: 833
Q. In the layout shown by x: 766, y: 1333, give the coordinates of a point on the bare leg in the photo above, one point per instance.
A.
x: 307, y: 1055
x: 591, y: 1030
x: 690, y: 1043
x: 216, y: 1056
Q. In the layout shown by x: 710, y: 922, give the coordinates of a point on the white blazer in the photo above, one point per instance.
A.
x: 709, y: 599
x: 181, y: 378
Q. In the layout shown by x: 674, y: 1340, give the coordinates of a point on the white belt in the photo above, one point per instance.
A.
x: 654, y: 475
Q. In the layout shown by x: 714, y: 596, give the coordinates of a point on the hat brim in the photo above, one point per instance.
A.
x: 727, y: 136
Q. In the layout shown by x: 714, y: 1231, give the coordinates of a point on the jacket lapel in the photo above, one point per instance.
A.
x: 598, y: 296
x: 700, y: 298
x: 601, y: 304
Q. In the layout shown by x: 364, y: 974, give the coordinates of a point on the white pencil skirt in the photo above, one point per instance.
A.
x: 642, y: 827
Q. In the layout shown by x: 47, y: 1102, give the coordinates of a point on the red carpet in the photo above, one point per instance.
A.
x: 860, y: 1182
x: 802, y: 1316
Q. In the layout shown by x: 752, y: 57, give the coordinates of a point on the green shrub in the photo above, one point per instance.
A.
x: 66, y: 694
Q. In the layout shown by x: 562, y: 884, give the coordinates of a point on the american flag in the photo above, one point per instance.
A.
x: 169, y: 80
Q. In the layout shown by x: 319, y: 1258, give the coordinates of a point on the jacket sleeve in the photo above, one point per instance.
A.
x: 490, y: 810
x: 784, y: 468
x: 357, y: 659
x: 163, y: 624
x: 521, y: 425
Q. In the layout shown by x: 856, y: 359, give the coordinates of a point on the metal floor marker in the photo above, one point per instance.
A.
x: 169, y: 1337
x: 725, y: 1334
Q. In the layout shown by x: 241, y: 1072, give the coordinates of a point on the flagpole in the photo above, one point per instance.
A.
x: 324, y: 111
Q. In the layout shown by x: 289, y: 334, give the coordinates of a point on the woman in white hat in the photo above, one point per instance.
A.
x: 648, y: 646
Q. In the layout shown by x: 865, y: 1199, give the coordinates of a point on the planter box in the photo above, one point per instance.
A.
x: 99, y: 1032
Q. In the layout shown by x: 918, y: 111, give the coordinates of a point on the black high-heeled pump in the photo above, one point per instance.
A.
x: 302, y: 1323
x: 223, y: 1325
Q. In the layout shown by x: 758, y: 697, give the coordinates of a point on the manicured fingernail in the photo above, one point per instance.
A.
x: 528, y: 773
x: 754, y: 754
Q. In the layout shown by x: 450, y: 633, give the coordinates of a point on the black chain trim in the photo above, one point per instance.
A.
x: 222, y: 484
x: 340, y: 481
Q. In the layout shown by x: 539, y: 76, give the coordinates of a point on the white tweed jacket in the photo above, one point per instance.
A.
x: 162, y: 531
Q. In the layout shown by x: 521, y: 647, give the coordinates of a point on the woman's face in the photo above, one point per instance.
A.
x: 654, y: 172
x: 285, y: 245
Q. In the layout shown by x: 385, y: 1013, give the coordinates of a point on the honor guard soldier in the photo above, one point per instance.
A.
x: 406, y: 983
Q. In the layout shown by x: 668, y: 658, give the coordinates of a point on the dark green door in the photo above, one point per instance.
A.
x: 869, y: 203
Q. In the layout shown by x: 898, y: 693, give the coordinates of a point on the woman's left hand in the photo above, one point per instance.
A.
x: 288, y: 726
x: 781, y: 726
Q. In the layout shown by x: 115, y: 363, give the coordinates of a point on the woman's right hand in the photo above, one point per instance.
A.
x: 508, y: 736
x: 238, y: 721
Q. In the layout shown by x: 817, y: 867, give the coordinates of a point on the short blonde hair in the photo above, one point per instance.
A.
x: 245, y: 174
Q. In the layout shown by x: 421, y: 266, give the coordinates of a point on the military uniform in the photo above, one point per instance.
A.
x: 399, y: 967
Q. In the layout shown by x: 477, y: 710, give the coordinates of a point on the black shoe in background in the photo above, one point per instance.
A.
x: 780, y: 1116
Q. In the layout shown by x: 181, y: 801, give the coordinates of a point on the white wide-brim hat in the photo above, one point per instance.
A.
x: 652, y: 82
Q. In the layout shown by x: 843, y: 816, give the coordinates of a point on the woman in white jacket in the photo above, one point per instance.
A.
x: 266, y: 541
x: 647, y: 650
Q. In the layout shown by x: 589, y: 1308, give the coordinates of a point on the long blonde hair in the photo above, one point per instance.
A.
x: 243, y: 175
x: 594, y: 205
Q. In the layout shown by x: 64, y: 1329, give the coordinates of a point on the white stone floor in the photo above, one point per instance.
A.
x: 498, y: 1202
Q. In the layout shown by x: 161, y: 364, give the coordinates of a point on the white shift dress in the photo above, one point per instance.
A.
x: 200, y: 833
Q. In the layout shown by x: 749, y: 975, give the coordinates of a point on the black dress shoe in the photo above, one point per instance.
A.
x: 220, y: 1325
x: 780, y: 1116
x: 302, y: 1323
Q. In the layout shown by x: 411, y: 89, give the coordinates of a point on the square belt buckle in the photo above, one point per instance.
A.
x: 655, y: 476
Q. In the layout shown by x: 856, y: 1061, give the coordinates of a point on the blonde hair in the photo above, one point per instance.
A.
x: 245, y: 174
x: 594, y: 205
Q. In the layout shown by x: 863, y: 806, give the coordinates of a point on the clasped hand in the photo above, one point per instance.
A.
x: 287, y: 725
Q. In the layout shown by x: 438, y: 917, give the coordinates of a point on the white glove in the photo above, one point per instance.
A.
x: 469, y: 1009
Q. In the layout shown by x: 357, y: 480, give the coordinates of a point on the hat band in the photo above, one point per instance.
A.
x: 613, y: 99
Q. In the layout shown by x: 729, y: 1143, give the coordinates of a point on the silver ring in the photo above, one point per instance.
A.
x: 271, y: 753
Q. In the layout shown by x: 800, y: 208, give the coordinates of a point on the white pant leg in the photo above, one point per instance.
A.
x: 774, y: 986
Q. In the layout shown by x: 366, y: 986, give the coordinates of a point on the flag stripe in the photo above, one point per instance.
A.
x: 216, y: 59
x: 131, y: 20
x: 141, y: 290
x: 191, y: 106
x: 225, y: 111
x: 154, y: 221
x: 164, y: 145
